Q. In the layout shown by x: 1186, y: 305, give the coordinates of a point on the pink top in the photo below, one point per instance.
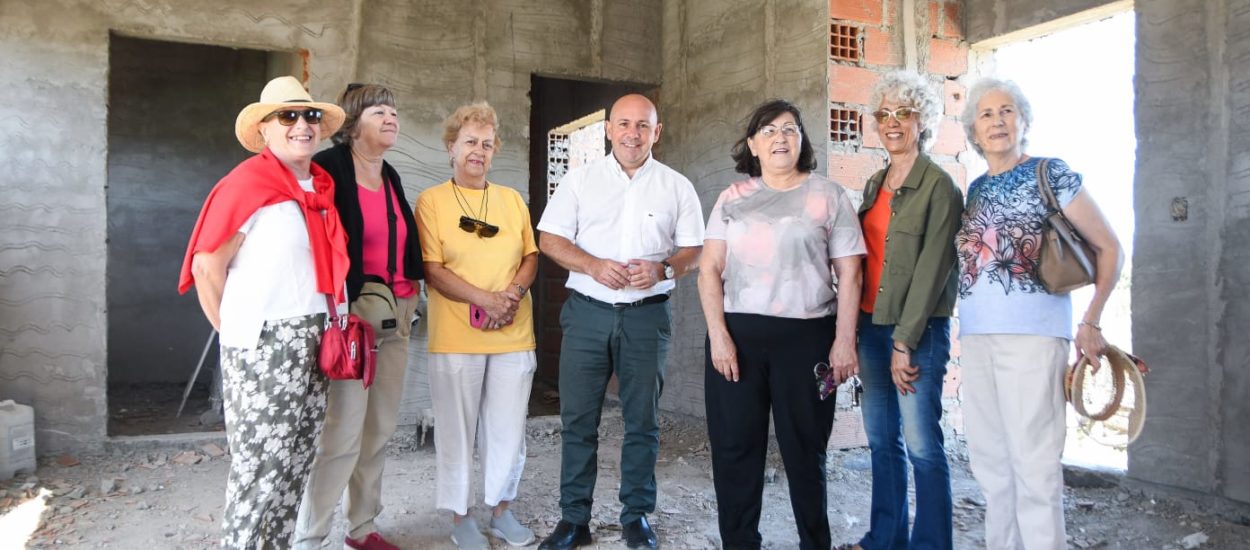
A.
x: 373, y: 210
x: 779, y: 246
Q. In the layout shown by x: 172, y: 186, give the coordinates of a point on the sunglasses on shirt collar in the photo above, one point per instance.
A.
x: 483, y: 229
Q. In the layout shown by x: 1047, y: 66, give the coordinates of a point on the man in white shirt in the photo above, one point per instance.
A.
x: 626, y: 227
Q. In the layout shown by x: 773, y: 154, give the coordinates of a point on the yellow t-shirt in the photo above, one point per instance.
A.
x: 488, y: 264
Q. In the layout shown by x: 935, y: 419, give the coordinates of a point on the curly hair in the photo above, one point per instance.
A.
x: 909, y: 88
x: 354, y: 100
x: 480, y: 112
x: 745, y: 162
x: 985, y: 86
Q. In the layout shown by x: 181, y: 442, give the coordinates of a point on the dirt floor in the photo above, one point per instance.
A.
x: 172, y: 498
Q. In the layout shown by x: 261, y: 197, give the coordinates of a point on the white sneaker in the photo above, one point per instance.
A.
x: 468, y: 537
x: 506, y: 527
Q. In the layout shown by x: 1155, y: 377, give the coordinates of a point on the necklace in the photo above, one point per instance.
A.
x: 463, y: 201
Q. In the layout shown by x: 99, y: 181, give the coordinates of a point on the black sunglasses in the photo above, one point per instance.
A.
x: 288, y: 117
x: 483, y: 229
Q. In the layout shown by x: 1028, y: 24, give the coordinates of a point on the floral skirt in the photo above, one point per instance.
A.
x: 275, y: 401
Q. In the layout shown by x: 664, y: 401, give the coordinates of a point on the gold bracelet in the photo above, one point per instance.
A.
x: 1090, y: 325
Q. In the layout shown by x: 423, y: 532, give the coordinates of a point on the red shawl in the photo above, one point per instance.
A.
x: 261, y: 181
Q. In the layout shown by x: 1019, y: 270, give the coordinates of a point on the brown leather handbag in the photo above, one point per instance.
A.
x: 1065, y: 261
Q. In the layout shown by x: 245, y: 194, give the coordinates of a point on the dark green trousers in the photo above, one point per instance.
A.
x: 600, y: 340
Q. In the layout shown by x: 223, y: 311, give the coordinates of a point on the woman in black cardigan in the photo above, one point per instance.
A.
x: 351, y: 451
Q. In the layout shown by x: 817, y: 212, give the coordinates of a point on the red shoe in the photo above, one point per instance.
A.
x: 372, y: 542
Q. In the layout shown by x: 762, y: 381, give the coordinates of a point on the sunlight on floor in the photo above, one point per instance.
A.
x: 17, y: 525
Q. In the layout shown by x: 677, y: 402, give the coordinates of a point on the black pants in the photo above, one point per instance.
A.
x: 775, y: 360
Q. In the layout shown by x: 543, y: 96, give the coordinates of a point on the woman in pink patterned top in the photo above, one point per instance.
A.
x: 766, y: 279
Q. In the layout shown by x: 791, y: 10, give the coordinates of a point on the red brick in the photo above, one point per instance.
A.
x: 935, y: 17
x: 848, y: 84
x: 854, y: 169
x: 954, y: 378
x: 864, y: 11
x: 944, y: 19
x: 955, y: 96
x: 879, y: 48
x: 950, y: 138
x: 957, y: 172
x: 952, y: 21
x: 947, y: 57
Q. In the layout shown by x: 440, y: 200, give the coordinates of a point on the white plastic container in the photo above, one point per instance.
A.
x: 17, y: 439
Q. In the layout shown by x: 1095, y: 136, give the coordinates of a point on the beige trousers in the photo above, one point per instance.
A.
x: 1014, y: 413
x: 351, y: 451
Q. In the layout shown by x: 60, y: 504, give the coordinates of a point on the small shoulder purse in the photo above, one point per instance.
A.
x: 1065, y: 260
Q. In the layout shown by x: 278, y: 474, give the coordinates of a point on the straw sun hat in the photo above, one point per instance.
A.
x: 284, y: 91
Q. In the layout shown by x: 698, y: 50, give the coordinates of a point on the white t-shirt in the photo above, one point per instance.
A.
x: 609, y: 215
x: 271, y: 276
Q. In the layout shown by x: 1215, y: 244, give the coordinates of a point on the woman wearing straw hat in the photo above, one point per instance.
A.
x: 267, y: 248
x: 351, y: 452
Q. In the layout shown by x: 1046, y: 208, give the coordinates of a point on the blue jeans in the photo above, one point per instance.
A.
x: 906, y: 426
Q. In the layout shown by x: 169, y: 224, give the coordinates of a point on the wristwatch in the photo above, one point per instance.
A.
x: 669, y: 272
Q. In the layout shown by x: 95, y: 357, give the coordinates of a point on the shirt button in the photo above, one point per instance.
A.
x: 887, y: 238
x: 880, y: 289
x: 893, y: 212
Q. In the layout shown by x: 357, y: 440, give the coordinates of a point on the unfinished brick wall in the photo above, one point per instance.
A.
x: 866, y: 41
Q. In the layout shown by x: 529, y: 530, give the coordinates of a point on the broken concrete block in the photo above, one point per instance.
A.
x: 1194, y: 540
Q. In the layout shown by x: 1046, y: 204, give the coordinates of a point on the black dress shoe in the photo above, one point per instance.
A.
x: 566, y: 535
x: 638, y: 534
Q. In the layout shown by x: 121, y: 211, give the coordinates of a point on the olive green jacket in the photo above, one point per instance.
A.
x: 919, y: 279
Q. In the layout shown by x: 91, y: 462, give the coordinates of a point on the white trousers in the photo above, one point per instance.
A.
x: 1014, y: 413
x: 482, y: 398
x: 351, y: 451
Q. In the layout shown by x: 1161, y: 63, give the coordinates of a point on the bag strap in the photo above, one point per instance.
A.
x: 1043, y: 184
x: 391, y: 237
x: 331, y: 309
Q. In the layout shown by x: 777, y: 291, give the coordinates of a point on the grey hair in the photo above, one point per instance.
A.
x: 985, y: 86
x: 910, y: 88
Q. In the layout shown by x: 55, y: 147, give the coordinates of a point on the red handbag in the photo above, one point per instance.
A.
x: 347, y: 348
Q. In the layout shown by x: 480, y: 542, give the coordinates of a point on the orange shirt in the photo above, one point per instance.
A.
x: 876, y: 223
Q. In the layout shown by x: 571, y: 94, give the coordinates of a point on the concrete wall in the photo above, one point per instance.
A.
x: 53, y: 129
x: 721, y: 59
x: 986, y: 19
x: 1191, y: 273
x: 439, y: 55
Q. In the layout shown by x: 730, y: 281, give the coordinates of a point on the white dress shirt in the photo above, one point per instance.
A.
x: 604, y: 212
x: 271, y: 277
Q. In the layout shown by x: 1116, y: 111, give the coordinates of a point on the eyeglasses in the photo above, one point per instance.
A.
x: 900, y: 114
x: 288, y: 117
x: 483, y: 229
x: 789, y: 130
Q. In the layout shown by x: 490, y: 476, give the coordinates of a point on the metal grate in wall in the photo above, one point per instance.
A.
x: 844, y: 125
x: 843, y: 42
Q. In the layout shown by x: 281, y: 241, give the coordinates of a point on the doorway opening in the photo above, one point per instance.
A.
x: 566, y: 128
x: 170, y: 139
x: 1079, y: 81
